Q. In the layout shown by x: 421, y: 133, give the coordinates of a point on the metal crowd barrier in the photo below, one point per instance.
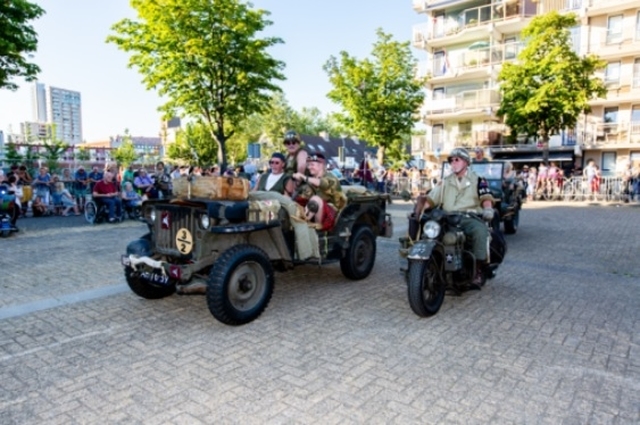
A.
x: 580, y: 189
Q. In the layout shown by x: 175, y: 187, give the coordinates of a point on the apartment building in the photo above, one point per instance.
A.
x: 610, y: 134
x: 60, y: 107
x: 64, y: 110
x: 39, y: 102
x: 467, y: 41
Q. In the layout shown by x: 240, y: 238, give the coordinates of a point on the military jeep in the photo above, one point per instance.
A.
x: 229, y: 250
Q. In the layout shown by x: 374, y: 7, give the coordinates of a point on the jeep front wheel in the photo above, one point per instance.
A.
x: 361, y: 254
x: 142, y: 288
x: 240, y: 285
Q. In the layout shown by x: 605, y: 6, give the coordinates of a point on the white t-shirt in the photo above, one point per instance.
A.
x: 272, y: 179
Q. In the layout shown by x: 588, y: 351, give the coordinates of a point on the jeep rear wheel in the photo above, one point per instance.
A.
x: 361, y: 255
x: 240, y: 285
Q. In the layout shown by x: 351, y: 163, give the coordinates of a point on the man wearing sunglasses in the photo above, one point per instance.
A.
x: 274, y: 179
x: 322, y: 196
x: 296, y: 159
x: 464, y: 191
x: 296, y: 154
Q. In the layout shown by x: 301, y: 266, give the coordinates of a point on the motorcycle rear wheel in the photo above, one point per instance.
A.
x: 426, y: 288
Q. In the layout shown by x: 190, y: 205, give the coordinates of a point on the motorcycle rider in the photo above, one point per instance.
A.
x: 464, y: 191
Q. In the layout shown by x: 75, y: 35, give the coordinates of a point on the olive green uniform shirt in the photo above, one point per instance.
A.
x: 458, y: 194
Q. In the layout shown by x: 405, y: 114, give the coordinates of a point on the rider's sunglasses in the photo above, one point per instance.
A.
x: 275, y: 162
x: 290, y: 142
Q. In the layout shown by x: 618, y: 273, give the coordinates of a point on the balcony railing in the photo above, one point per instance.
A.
x: 610, y: 3
x: 467, y: 100
x: 615, y: 133
x: 493, y: 55
x: 470, y: 59
x: 472, y: 17
x: 616, y: 37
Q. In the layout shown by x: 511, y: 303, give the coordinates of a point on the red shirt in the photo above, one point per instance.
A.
x: 103, y: 188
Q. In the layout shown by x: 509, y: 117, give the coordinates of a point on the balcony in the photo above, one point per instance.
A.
x: 618, y: 92
x: 618, y: 135
x: 472, y: 139
x: 464, y: 104
x: 469, y: 64
x: 491, y: 55
x: 419, y: 5
x: 601, y: 7
x: 609, y: 44
x: 471, y: 24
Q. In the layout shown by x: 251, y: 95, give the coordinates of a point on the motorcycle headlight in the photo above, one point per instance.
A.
x: 431, y: 229
x: 152, y: 215
x: 205, y: 222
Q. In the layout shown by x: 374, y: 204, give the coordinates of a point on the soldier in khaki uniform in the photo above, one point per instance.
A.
x: 464, y: 191
x: 320, y: 192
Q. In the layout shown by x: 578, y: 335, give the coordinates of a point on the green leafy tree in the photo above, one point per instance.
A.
x: 205, y: 58
x: 194, y: 146
x: 53, y: 148
x: 17, y: 40
x: 125, y: 154
x: 379, y: 96
x: 30, y: 157
x: 549, y: 86
x: 82, y: 155
x: 12, y: 156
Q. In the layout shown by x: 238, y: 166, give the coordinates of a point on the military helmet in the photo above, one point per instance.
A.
x: 461, y: 153
x: 291, y: 136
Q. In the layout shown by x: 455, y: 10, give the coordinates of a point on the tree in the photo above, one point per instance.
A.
x: 17, y: 40
x: 12, y: 156
x: 549, y: 86
x: 205, y: 58
x: 125, y: 154
x: 194, y: 145
x: 82, y: 155
x: 53, y: 147
x: 379, y: 96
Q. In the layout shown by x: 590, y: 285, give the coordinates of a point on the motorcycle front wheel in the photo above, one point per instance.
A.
x: 426, y: 288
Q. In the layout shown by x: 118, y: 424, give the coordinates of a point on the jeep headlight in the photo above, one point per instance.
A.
x: 152, y: 215
x: 205, y: 221
x: 431, y: 229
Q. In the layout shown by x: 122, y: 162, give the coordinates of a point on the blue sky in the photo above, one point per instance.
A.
x: 72, y: 55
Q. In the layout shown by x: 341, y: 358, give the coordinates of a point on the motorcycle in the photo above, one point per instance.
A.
x: 7, y: 201
x: 436, y: 257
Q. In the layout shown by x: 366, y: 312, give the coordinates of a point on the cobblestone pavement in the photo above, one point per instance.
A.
x: 552, y: 339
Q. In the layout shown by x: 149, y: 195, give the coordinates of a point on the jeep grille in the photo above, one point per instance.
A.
x: 179, y: 217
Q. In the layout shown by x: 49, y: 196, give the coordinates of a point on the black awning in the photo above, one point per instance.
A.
x: 531, y: 156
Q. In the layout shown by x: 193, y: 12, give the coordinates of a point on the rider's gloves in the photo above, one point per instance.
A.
x: 487, y: 214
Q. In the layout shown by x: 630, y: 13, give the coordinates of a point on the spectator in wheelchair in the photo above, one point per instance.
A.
x: 105, y: 192
x: 145, y: 185
x: 130, y: 198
